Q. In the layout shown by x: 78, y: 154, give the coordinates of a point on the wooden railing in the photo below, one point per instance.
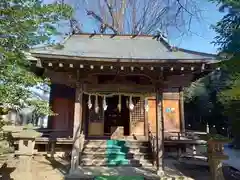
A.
x: 186, y: 135
x: 55, y: 133
x: 188, y: 139
x: 153, y: 143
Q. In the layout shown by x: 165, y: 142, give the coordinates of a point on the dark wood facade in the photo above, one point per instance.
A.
x: 154, y: 86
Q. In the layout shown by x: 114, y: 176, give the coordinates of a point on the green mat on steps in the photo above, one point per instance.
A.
x: 116, y: 153
x: 119, y: 178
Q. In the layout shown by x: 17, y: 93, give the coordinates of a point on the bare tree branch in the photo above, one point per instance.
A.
x: 103, y: 24
x: 74, y: 26
x: 181, y: 6
x: 73, y: 23
x: 140, y: 16
x: 110, y: 11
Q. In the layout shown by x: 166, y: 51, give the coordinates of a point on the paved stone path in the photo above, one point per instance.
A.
x: 48, y: 169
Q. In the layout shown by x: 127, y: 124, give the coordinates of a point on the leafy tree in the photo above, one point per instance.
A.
x: 228, y: 27
x: 228, y: 30
x: 23, y: 25
x: 202, y: 102
x: 220, y: 91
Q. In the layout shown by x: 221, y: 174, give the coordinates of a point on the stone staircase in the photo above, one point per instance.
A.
x: 116, y: 153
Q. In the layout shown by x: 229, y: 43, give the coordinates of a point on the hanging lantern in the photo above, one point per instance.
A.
x: 119, y: 103
x: 104, y: 103
x: 96, y: 104
x: 89, y: 102
x: 131, y: 105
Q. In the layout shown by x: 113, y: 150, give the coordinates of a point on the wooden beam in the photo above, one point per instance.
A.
x: 127, y: 88
x: 159, y: 132
x: 77, y: 128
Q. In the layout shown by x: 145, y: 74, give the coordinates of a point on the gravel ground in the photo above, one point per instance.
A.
x: 40, y: 168
x: 43, y: 168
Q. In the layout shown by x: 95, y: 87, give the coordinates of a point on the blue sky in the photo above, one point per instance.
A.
x: 199, y: 40
x: 203, y: 34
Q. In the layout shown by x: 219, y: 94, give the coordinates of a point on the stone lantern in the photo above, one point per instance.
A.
x: 215, y: 157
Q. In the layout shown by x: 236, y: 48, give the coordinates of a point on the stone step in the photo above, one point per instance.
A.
x: 116, y: 142
x: 138, y: 156
x: 75, y: 177
x: 117, y: 145
x: 100, y: 150
x: 115, y: 162
x: 115, y: 149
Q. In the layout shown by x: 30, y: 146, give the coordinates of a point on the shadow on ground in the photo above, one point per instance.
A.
x: 231, y: 173
x: 193, y: 171
x: 5, y: 172
x: 105, y: 173
x: 88, y: 172
x: 57, y: 163
x: 172, y: 168
x: 202, y: 172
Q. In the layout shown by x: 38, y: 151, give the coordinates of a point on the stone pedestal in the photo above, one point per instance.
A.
x: 215, y: 158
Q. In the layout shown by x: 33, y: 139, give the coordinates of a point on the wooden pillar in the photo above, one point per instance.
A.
x: 159, y: 132
x: 77, y: 128
x: 181, y: 104
x: 146, y: 123
x: 51, y: 98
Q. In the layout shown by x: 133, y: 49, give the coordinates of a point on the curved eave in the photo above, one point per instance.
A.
x: 123, y: 60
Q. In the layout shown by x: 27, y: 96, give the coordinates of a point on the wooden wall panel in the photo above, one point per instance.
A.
x: 62, y: 102
x: 96, y: 129
x: 171, y: 119
x: 152, y: 114
x: 171, y: 114
x: 63, y: 121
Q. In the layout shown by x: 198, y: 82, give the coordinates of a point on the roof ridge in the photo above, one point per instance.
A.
x: 197, y: 52
x: 169, y: 47
x: 130, y: 35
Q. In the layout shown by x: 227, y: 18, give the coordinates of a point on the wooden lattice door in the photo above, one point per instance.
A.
x: 137, y: 117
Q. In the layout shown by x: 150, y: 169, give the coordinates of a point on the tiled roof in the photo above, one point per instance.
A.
x: 122, y: 47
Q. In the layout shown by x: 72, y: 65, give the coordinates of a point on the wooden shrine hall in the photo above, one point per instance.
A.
x: 118, y: 87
